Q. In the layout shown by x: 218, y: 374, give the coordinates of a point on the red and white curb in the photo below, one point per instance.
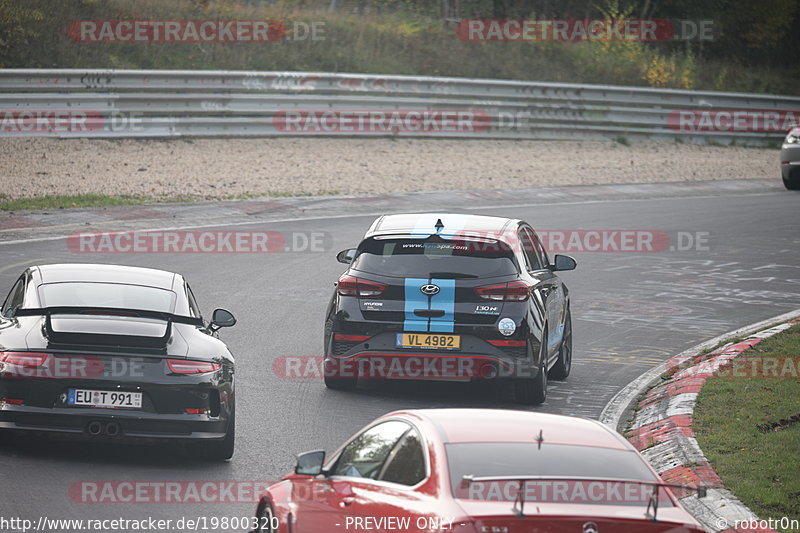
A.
x: 661, y: 427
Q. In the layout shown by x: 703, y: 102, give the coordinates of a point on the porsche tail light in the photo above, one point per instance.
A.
x: 513, y: 291
x: 12, y: 401
x: 181, y: 366
x: 25, y: 359
x: 353, y: 286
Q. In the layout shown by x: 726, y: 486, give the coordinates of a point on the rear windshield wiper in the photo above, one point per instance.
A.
x: 454, y: 275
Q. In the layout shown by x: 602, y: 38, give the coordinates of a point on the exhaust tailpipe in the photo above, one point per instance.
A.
x: 488, y: 371
x: 112, y: 429
x: 94, y: 428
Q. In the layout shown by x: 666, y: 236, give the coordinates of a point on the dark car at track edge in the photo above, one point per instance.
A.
x: 115, y: 353
x: 790, y: 160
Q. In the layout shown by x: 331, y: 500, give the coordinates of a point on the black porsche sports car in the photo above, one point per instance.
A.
x: 448, y: 296
x: 115, y: 352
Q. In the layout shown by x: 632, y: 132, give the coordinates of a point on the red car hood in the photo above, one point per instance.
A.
x: 576, y: 518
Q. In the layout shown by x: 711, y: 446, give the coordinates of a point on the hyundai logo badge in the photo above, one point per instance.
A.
x: 590, y: 527
x: 430, y: 289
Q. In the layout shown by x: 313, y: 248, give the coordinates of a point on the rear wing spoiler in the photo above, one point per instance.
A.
x: 112, y: 311
x: 109, y: 338
x: 519, y: 502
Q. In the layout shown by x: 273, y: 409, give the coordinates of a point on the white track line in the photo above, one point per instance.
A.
x: 374, y: 214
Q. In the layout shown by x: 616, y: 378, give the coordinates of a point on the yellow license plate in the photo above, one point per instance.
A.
x: 428, y: 340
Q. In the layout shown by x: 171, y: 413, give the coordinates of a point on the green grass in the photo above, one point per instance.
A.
x: 103, y: 200
x: 61, y: 201
x: 761, y: 468
x: 405, y: 38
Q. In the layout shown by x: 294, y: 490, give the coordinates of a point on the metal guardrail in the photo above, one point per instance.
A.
x: 160, y: 103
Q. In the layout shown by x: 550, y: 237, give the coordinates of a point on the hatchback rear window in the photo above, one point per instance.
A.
x: 435, y: 257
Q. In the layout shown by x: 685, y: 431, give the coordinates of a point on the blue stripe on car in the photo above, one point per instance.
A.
x: 445, y: 299
x: 415, y: 300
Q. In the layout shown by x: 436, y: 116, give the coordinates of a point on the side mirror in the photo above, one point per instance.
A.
x: 310, y: 463
x: 221, y: 318
x: 346, y: 256
x: 563, y: 262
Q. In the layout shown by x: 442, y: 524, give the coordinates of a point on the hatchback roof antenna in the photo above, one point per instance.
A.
x: 439, y: 225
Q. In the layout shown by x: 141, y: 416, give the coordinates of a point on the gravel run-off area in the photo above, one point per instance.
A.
x: 224, y: 168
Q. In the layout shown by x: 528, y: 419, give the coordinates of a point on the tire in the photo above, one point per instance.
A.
x: 563, y: 365
x: 533, y: 391
x: 222, y: 450
x: 264, y: 519
x: 341, y: 383
x: 792, y: 182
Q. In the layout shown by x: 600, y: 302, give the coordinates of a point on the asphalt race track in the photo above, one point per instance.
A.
x: 630, y: 310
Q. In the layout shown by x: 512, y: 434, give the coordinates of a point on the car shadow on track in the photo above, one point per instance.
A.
x: 73, y: 449
x: 495, y: 394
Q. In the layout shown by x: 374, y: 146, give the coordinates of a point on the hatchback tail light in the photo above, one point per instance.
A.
x: 507, y: 344
x: 513, y: 291
x: 350, y: 338
x: 353, y: 286
x: 180, y: 366
x: 26, y: 359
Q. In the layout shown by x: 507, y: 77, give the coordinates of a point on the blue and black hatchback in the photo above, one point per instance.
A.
x: 450, y: 297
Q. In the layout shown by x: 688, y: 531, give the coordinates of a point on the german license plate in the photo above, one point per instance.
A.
x: 103, y: 398
x: 429, y: 341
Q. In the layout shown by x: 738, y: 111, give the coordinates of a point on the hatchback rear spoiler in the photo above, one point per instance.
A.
x: 519, y: 502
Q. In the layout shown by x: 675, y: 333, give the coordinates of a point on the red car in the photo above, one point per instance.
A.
x: 476, y: 471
